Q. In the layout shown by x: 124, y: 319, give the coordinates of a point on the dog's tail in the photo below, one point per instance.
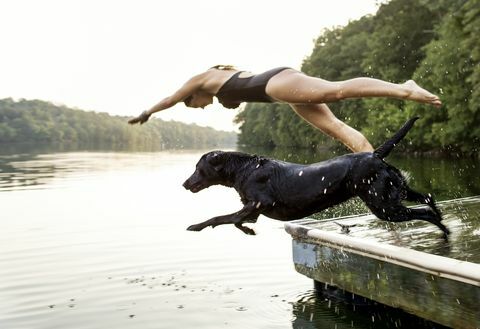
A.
x: 384, y: 150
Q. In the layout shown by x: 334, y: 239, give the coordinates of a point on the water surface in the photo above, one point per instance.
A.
x: 98, y: 239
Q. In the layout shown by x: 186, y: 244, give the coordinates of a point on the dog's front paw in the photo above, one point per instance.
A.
x: 244, y: 229
x: 195, y: 227
x: 248, y: 231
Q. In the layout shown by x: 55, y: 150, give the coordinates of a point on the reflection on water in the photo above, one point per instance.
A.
x: 98, y: 239
x: 446, y: 178
x: 328, y: 307
x: 32, y: 171
x: 14, y: 174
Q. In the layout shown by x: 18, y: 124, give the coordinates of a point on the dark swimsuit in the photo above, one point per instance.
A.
x: 250, y: 89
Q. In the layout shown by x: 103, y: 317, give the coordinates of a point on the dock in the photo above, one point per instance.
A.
x: 402, y: 265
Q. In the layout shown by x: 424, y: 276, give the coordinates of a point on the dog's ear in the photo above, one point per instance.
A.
x: 215, y: 161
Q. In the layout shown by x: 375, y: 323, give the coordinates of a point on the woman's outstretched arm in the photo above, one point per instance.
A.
x: 186, y: 90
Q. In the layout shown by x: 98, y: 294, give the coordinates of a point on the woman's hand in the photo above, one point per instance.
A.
x: 142, y: 118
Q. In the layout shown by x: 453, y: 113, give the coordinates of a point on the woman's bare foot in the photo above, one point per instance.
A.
x: 418, y: 94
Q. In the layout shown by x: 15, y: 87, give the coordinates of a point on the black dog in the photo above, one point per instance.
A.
x: 287, y: 191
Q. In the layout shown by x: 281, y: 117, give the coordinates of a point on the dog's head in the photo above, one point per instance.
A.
x: 208, y: 172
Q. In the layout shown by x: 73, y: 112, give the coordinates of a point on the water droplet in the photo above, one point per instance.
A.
x: 300, y: 173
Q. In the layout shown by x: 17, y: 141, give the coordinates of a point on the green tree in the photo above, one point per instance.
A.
x: 452, y: 67
x: 433, y: 42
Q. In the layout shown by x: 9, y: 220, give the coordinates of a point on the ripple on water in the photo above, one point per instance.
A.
x: 95, y: 241
x: 77, y: 278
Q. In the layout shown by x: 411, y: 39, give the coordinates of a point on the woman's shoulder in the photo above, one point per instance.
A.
x: 207, y: 76
x: 214, y: 78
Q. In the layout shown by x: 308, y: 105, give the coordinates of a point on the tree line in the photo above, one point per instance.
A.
x: 35, y: 121
x: 433, y: 42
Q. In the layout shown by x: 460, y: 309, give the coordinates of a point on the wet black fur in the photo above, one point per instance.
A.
x: 287, y: 191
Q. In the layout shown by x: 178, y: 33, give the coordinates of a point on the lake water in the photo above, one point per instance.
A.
x: 98, y: 240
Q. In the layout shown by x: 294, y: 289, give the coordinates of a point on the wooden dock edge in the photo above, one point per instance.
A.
x: 433, y: 264
x: 437, y: 288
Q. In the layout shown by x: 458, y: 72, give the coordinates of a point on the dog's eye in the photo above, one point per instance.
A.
x: 201, y: 172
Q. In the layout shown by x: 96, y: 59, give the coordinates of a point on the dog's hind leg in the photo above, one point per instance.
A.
x: 400, y: 213
x: 248, y: 213
x: 423, y: 198
x: 429, y: 216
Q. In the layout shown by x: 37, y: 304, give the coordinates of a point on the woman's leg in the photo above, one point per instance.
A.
x: 297, y: 88
x: 321, y: 117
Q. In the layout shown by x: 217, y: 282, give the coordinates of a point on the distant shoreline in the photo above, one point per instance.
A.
x: 36, y: 121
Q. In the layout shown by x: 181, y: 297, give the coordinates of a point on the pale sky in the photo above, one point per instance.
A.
x: 122, y: 57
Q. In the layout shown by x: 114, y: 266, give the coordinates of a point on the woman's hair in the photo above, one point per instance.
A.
x: 223, y: 67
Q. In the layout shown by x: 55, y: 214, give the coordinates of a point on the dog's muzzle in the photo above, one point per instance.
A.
x: 193, y: 186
